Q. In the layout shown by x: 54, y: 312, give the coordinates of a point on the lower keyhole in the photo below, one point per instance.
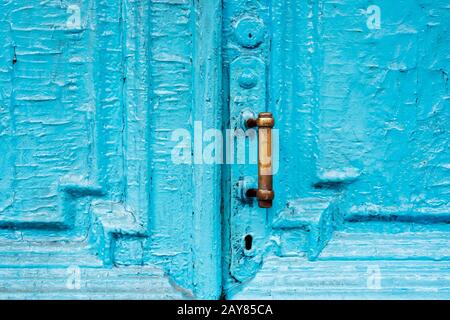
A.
x: 248, y: 242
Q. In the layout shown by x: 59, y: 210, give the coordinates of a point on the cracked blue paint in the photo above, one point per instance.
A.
x: 363, y: 114
x: 90, y: 92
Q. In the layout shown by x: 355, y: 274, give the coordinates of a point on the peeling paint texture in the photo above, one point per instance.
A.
x: 362, y: 193
x: 92, y: 206
x: 89, y: 94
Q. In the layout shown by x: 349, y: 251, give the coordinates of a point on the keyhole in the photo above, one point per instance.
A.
x: 250, y: 35
x: 248, y: 242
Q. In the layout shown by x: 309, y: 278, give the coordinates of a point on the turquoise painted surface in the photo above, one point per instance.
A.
x: 366, y: 111
x: 90, y: 92
x: 91, y: 205
x: 361, y: 103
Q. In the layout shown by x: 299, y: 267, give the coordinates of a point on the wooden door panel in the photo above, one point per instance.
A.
x: 90, y: 92
x: 359, y: 94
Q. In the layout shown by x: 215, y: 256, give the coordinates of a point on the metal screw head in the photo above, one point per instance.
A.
x: 249, y: 32
x: 245, y: 115
x: 248, y: 79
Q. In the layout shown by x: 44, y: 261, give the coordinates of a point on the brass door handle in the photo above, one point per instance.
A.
x: 264, y: 193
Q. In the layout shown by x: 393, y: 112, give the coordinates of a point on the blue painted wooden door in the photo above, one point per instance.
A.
x: 105, y: 190
x: 91, y: 205
x: 360, y: 96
